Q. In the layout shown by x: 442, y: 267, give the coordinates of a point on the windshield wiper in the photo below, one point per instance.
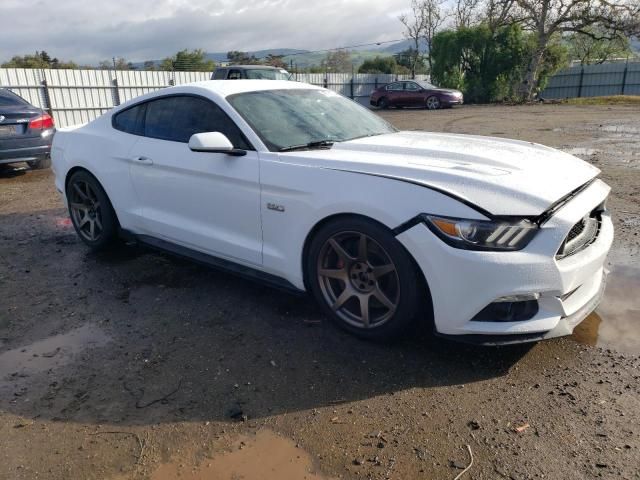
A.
x: 306, y: 146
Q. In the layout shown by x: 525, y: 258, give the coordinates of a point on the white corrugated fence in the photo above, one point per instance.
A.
x: 78, y: 96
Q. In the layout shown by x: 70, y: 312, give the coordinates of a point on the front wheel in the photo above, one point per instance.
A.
x: 433, y: 103
x: 91, y: 212
x: 363, y: 278
x: 383, y: 103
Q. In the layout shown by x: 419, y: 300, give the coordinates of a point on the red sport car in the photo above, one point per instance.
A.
x: 414, y: 93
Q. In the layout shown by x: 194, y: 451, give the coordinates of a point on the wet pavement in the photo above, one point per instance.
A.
x: 616, y: 322
x: 264, y: 455
x: 136, y: 365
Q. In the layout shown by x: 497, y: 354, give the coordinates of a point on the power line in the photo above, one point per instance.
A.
x: 344, y: 48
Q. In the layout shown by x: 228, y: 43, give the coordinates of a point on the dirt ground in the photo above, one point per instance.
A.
x: 138, y: 365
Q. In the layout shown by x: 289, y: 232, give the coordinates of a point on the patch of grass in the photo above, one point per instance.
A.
x: 612, y: 100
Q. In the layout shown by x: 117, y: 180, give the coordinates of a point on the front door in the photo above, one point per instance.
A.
x: 209, y: 202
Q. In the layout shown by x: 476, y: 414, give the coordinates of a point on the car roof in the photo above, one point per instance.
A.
x: 253, y: 67
x: 221, y: 89
x: 230, y: 87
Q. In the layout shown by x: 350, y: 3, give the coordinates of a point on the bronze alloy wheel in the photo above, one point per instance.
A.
x: 358, y: 279
x: 86, y: 210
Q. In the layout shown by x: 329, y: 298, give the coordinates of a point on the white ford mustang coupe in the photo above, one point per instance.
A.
x: 492, y: 240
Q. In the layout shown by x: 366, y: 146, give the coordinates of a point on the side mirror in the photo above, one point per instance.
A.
x: 214, y: 142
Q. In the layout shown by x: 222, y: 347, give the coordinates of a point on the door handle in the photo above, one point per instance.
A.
x: 143, y: 160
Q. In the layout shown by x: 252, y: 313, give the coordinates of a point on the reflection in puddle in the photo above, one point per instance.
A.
x: 51, y: 352
x: 616, y: 322
x: 265, y: 455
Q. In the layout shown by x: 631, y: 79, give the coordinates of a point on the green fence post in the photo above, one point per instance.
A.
x: 624, y: 77
x: 581, y: 79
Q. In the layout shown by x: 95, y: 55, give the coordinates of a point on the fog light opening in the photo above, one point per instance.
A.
x: 512, y: 308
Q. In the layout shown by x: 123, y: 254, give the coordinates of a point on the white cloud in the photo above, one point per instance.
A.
x: 88, y: 32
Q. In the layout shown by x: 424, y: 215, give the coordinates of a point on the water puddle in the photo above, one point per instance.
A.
x: 583, y: 152
x: 621, y: 129
x: 52, y: 352
x: 265, y: 455
x: 616, y: 322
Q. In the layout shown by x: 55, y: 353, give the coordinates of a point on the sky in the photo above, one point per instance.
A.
x: 88, y: 31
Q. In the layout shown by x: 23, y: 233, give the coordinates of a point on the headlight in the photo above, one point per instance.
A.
x: 481, y: 234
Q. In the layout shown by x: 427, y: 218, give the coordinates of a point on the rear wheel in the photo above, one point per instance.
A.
x: 433, y: 103
x: 363, y: 278
x: 40, y: 164
x: 383, y: 103
x: 91, y: 212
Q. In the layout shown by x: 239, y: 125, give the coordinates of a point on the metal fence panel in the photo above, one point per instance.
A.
x: 79, y: 96
x: 26, y: 82
x: 616, y: 78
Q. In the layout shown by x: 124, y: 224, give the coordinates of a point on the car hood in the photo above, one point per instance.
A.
x: 445, y: 90
x: 503, y: 177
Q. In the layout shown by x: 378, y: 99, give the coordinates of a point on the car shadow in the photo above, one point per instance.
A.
x: 173, y: 340
x: 11, y: 170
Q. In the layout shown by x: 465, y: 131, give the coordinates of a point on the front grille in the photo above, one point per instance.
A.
x: 581, y: 235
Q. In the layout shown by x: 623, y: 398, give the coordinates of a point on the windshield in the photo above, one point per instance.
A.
x: 426, y: 85
x: 286, y: 118
x: 267, y: 74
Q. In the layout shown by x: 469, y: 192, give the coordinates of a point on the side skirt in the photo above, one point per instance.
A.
x: 214, y: 262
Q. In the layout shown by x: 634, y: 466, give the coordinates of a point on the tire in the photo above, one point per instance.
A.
x: 91, y: 211
x: 383, y: 103
x: 432, y: 103
x: 346, y: 273
x: 40, y: 164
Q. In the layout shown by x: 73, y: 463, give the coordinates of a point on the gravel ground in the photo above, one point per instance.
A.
x: 133, y: 363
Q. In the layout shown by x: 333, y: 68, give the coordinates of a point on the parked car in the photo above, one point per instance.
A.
x: 25, y: 132
x: 250, y: 72
x: 498, y: 241
x: 415, y: 93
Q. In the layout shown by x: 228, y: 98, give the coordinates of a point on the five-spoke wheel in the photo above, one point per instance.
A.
x: 433, y: 103
x: 363, y: 277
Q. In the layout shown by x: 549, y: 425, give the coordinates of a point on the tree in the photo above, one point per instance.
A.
x: 487, y: 64
x: 241, y: 58
x: 37, y: 60
x: 427, y: 18
x: 117, y: 63
x: 465, y: 13
x: 338, y: 61
x: 149, y: 65
x: 595, y: 48
x: 414, y: 25
x: 275, y: 61
x: 550, y: 19
x: 435, y: 18
x: 378, y: 65
x: 407, y: 60
x: 188, y: 61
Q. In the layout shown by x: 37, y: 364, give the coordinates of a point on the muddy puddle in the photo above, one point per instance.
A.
x: 50, y: 353
x: 265, y: 455
x: 616, y: 322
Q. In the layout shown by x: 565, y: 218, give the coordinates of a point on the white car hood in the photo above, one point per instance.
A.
x: 503, y: 177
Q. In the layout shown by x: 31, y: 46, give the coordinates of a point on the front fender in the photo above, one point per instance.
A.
x: 290, y: 213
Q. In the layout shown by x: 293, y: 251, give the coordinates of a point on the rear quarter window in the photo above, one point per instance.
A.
x: 220, y: 74
x: 130, y: 120
x: 10, y: 99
